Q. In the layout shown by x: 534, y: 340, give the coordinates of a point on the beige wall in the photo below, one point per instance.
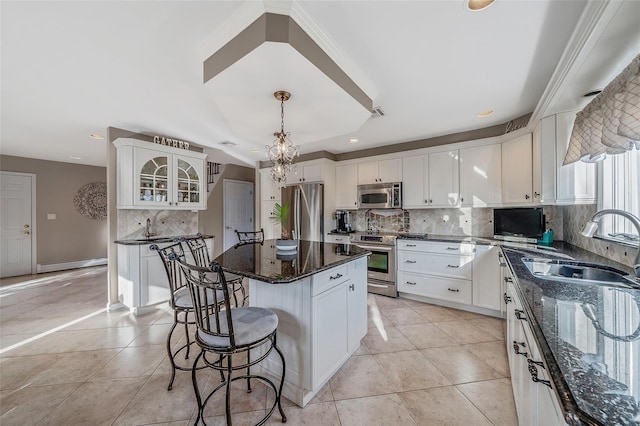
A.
x: 210, y: 221
x: 70, y: 237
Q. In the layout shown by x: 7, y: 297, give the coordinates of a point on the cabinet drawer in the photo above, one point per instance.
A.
x: 323, y: 281
x: 338, y: 239
x: 436, y: 247
x: 436, y: 264
x: 437, y: 287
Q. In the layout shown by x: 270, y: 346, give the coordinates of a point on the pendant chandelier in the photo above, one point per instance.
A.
x: 282, y: 152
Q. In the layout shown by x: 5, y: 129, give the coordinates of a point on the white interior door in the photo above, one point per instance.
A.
x: 238, y: 210
x: 18, y: 223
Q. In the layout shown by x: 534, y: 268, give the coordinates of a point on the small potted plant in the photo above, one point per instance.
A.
x: 281, y: 214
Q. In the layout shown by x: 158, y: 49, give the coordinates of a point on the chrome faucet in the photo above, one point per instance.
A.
x: 591, y: 227
x: 147, y: 229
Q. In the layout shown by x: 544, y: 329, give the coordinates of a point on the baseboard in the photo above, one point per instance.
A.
x: 70, y: 265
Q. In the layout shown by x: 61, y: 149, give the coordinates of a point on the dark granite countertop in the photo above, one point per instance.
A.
x: 265, y: 263
x: 589, y: 335
x: 155, y: 240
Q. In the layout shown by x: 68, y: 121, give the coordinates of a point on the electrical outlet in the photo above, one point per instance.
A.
x: 51, y: 216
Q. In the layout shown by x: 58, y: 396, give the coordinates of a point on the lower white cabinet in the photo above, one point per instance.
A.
x: 337, y: 239
x: 272, y: 228
x: 142, y: 279
x: 536, y: 402
x: 462, y: 273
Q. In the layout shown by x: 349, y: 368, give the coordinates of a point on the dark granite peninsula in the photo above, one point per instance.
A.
x: 320, y: 295
x: 588, y: 335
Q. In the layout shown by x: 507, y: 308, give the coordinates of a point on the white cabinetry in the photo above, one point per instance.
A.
x: 152, y: 176
x: 347, y: 187
x: 487, y: 288
x: 544, y: 162
x: 269, y: 190
x: 481, y: 176
x: 536, y: 402
x: 271, y: 227
x: 431, y: 180
x: 383, y: 171
x: 577, y: 181
x: 436, y: 270
x: 322, y: 319
x: 310, y: 173
x: 142, y: 279
x: 517, y: 170
x: 337, y: 239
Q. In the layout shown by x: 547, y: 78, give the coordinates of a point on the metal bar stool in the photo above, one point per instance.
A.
x: 180, y: 302
x: 200, y: 252
x: 250, y: 237
x: 226, y: 331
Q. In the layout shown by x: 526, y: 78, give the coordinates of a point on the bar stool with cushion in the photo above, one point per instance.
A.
x: 250, y: 237
x: 180, y: 302
x: 200, y: 253
x: 228, y: 331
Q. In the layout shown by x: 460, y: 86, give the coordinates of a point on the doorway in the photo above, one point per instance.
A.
x: 17, y: 228
x: 238, y: 210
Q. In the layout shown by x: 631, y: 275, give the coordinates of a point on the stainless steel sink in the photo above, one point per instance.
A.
x: 575, y: 271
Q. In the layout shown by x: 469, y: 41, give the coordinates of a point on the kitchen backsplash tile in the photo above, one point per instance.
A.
x: 131, y: 223
x: 464, y: 221
x: 574, y: 219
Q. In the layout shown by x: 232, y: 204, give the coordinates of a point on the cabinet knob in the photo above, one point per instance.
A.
x: 507, y: 299
x: 526, y: 196
x: 430, y: 201
x: 520, y: 314
x: 516, y: 348
x: 536, y: 194
x: 462, y: 199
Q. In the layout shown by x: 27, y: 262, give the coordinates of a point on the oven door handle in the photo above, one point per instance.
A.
x: 378, y: 285
x: 374, y: 247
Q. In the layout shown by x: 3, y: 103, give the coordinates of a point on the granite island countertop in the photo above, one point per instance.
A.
x: 589, y: 335
x: 264, y: 262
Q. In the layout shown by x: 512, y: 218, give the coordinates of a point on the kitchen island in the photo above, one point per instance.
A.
x: 319, y: 292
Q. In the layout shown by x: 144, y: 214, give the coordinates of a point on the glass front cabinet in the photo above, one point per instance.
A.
x: 155, y: 176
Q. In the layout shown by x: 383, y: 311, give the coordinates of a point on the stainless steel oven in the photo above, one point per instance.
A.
x: 381, y: 266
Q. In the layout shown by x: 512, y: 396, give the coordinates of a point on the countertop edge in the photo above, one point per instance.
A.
x: 302, y: 276
x: 155, y: 240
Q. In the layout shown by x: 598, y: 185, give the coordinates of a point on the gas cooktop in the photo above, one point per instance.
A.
x: 410, y: 236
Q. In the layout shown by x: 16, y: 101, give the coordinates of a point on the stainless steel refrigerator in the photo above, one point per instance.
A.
x: 306, y: 211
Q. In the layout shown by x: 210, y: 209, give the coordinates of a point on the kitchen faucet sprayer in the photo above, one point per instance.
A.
x: 591, y: 227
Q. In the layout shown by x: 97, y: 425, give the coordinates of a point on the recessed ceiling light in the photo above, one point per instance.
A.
x: 485, y: 113
x: 227, y: 143
x: 353, y: 140
x: 94, y: 136
x: 255, y: 150
x: 75, y: 157
x: 477, y: 5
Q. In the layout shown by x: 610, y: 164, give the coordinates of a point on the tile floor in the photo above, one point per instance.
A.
x: 64, y: 360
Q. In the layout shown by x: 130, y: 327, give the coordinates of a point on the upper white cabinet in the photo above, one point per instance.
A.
x: 517, y: 170
x: 152, y: 176
x: 431, y: 180
x: 347, y: 187
x: 383, y: 171
x: 444, y: 179
x: 307, y: 174
x: 576, y: 182
x: 481, y: 176
x: 415, y: 181
x: 269, y: 190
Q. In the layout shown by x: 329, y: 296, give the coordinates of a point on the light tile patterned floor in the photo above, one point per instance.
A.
x: 66, y: 361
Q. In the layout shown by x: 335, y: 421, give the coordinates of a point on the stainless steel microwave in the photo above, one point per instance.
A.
x: 380, y: 196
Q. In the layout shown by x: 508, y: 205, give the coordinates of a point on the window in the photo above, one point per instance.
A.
x: 619, y: 188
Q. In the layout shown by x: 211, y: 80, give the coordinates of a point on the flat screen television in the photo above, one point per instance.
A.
x: 518, y: 224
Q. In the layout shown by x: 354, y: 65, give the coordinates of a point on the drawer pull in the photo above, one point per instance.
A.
x: 508, y: 279
x: 503, y: 265
x: 533, y: 370
x: 453, y: 248
x: 516, y: 348
x: 352, y: 287
x: 507, y: 299
x: 335, y: 277
x: 410, y: 245
x: 455, y: 290
x: 453, y: 266
x: 520, y: 314
x: 409, y: 261
x: 410, y: 283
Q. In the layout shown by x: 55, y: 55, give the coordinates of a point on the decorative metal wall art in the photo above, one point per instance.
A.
x: 91, y: 200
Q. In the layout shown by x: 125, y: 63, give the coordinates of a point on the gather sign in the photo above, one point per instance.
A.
x: 161, y: 140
